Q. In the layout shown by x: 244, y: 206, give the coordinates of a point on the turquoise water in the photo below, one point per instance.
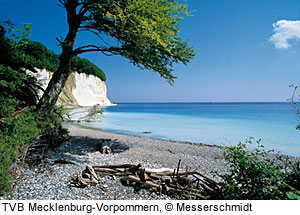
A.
x: 211, y: 123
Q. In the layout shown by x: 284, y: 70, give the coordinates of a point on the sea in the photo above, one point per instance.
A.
x: 224, y: 124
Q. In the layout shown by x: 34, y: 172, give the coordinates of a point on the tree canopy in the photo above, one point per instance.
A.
x: 144, y: 31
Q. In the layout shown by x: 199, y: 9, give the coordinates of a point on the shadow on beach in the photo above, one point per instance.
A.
x: 86, y: 144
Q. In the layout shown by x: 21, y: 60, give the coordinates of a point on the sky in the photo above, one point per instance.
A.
x: 246, y: 51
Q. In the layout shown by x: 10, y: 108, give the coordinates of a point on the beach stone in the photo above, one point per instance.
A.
x: 50, y: 180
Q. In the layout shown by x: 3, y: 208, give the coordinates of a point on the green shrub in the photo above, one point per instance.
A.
x: 292, y: 177
x: 51, y: 129
x: 40, y: 56
x: 293, y: 194
x: 19, y: 123
x: 16, y: 132
x: 258, y: 174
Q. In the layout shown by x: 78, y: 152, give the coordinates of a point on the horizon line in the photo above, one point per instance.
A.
x: 203, y: 102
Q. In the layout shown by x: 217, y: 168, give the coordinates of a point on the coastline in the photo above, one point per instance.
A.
x: 50, y: 180
x: 223, y: 124
x: 165, y: 153
x: 148, y: 137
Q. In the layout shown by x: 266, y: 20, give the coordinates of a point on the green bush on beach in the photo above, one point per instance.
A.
x: 258, y: 174
x: 17, y: 132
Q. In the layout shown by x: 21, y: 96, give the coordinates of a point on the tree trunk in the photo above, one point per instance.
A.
x: 57, y: 83
x: 59, y: 79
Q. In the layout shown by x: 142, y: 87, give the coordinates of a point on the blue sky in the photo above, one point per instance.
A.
x: 235, y: 59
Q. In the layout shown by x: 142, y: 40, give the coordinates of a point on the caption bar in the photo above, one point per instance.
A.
x: 138, y: 207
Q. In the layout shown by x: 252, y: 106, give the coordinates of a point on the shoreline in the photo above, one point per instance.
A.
x: 158, y: 149
x: 68, y: 124
x: 141, y: 136
x: 50, y: 180
x: 222, y: 126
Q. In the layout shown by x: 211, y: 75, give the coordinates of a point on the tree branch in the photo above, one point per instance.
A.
x: 59, y: 41
x: 62, y: 3
x: 94, y: 48
x: 96, y: 33
x: 85, y: 6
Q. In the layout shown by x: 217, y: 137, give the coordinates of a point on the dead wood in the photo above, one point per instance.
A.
x: 162, y: 171
x: 64, y: 161
x: 105, y: 190
x: 138, y: 180
x: 115, y: 166
x: 105, y: 150
x: 181, y: 185
x: 87, y: 177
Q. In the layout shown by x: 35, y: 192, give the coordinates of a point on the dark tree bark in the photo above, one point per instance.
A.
x: 56, y: 84
x: 58, y: 81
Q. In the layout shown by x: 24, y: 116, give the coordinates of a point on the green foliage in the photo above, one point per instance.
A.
x: 18, y: 52
x: 40, y: 57
x: 19, y: 124
x: 15, y: 132
x: 293, y: 176
x: 15, y: 84
x: 258, y: 174
x: 295, y: 99
x: 73, y: 151
x: 10, y: 80
x: 16, y: 33
x: 144, y: 31
x: 293, y: 195
x: 82, y: 65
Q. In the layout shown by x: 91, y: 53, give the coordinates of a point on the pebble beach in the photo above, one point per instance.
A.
x: 51, y: 181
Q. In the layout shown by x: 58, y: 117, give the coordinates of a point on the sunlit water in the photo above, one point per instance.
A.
x: 210, y: 123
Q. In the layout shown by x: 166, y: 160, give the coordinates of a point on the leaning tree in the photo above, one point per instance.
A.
x: 143, y: 31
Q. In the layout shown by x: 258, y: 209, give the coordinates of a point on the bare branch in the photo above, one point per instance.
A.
x: 59, y: 41
x: 93, y: 48
x: 96, y: 33
x: 62, y: 3
x: 84, y: 47
x: 85, y: 6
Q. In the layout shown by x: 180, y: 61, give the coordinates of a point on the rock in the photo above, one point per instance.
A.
x: 80, y: 89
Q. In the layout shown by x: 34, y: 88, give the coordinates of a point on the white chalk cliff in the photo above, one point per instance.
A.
x: 89, y: 90
x: 81, y: 90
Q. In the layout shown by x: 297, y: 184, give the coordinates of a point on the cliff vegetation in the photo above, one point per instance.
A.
x: 19, y: 122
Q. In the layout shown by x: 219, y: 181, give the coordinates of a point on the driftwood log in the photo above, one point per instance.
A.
x: 105, y: 146
x: 172, y: 182
x: 105, y: 150
x: 87, y: 177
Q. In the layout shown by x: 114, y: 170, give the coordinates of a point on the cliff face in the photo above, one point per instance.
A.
x: 80, y: 90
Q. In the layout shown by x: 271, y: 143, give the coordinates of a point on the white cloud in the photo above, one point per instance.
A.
x: 284, y: 31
